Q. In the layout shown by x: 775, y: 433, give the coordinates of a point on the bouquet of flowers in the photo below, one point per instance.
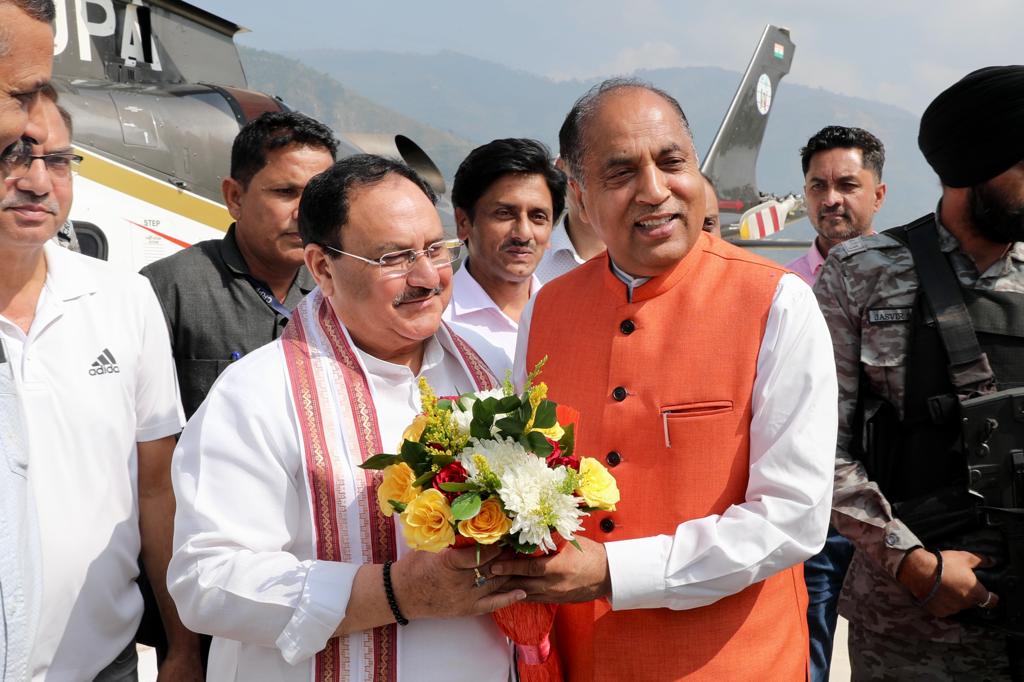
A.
x: 495, y: 467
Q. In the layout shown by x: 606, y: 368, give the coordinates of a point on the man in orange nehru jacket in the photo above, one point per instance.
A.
x: 705, y: 381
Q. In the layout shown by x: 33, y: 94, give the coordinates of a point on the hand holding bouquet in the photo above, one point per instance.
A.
x: 496, y: 467
x: 493, y: 468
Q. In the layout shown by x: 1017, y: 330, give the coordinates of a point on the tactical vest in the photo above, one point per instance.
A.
x: 918, y: 462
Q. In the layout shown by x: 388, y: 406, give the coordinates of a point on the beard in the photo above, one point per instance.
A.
x: 838, y: 232
x: 994, y: 217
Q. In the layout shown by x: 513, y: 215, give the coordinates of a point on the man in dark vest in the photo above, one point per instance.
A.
x: 913, y: 588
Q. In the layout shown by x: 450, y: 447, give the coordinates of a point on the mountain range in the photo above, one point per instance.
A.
x: 449, y: 103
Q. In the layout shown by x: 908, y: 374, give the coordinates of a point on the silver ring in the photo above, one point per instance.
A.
x: 479, y: 578
x: 985, y: 604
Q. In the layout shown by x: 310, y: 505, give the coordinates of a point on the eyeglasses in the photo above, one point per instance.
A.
x: 17, y: 161
x: 12, y: 154
x: 399, y: 263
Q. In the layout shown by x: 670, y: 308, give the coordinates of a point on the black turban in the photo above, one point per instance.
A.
x: 974, y: 130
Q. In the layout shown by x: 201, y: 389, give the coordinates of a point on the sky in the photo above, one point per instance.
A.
x: 901, y: 52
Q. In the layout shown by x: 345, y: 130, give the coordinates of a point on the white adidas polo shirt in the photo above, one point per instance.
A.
x: 95, y: 375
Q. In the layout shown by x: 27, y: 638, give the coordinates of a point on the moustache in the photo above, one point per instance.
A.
x: 516, y: 243
x: 18, y: 198
x: 836, y: 213
x: 416, y: 294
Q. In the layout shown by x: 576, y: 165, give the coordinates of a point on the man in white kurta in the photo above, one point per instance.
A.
x: 474, y: 316
x: 248, y: 566
x: 507, y: 195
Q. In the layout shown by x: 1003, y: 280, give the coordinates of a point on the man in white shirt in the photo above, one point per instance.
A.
x: 26, y: 57
x: 507, y: 195
x: 282, y: 551
x: 573, y: 245
x: 88, y: 354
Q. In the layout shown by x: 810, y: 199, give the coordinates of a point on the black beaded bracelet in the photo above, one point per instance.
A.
x: 390, y: 592
x: 938, y: 579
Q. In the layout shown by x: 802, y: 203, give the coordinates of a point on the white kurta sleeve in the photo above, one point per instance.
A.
x: 784, y: 517
x: 158, y: 410
x: 244, y: 567
x: 519, y: 370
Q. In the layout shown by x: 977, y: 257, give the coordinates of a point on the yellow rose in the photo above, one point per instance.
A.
x: 489, y: 525
x: 427, y: 522
x: 597, y: 486
x: 397, y: 486
x: 415, y: 430
x: 554, y: 433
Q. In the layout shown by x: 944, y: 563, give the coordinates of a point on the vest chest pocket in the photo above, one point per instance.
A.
x: 884, y: 343
x: 690, y: 418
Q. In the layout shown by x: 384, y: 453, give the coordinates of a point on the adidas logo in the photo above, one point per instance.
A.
x: 105, y: 364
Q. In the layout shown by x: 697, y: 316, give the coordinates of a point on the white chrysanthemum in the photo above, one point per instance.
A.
x: 500, y: 455
x: 464, y: 417
x: 462, y: 421
x: 531, y: 494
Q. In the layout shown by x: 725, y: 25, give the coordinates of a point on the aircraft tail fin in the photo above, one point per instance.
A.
x: 768, y: 218
x: 731, y: 162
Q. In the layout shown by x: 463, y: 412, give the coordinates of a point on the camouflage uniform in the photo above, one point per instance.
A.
x: 867, y: 291
x: 874, y: 657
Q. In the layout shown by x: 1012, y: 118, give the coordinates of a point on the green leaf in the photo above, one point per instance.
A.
x: 508, y: 404
x: 568, y: 440
x: 426, y: 478
x: 483, y: 412
x: 537, y: 444
x: 397, y: 506
x: 413, y: 453
x: 480, y: 431
x: 576, y: 543
x: 459, y: 487
x: 445, y: 404
x: 512, y: 426
x: 546, y: 417
x: 379, y: 462
x: 466, y: 506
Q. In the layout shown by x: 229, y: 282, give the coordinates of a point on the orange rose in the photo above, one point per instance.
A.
x: 489, y: 525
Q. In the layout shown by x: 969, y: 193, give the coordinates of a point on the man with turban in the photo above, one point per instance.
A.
x: 912, y: 594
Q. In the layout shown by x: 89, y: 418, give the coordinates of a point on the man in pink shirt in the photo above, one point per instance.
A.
x: 844, y: 189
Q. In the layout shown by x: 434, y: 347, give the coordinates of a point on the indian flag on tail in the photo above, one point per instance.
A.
x: 765, y: 219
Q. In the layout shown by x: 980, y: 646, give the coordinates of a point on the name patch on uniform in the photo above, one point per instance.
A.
x: 888, y: 315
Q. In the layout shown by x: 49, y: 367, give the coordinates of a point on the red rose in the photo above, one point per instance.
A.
x: 453, y: 473
x: 557, y: 459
